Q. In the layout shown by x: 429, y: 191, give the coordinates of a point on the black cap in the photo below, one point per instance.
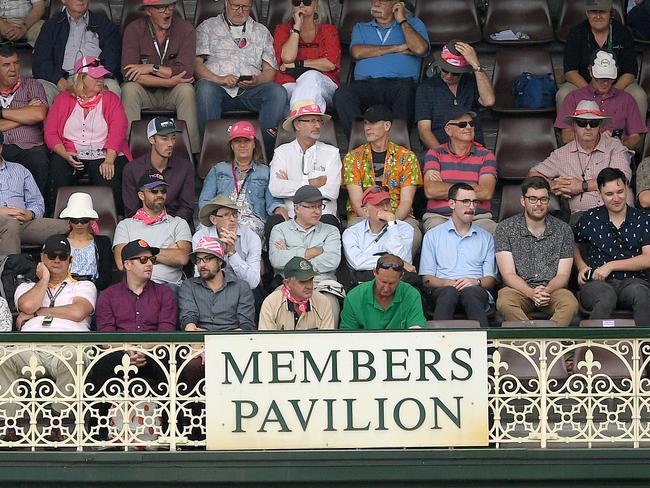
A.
x: 308, y: 193
x: 57, y: 242
x: 377, y: 113
x: 151, y: 179
x: 457, y: 112
x: 136, y: 247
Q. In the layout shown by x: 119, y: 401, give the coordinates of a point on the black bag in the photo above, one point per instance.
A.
x: 14, y: 270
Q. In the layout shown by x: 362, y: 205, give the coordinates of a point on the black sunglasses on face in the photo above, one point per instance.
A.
x: 296, y: 3
x: 80, y: 221
x: 156, y: 191
x: 463, y: 124
x: 593, y: 123
x: 144, y: 259
x: 61, y: 256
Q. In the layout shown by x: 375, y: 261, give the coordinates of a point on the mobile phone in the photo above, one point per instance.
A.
x: 244, y: 78
x: 588, y: 274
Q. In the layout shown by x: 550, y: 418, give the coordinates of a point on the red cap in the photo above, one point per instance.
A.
x: 243, y: 129
x: 374, y: 195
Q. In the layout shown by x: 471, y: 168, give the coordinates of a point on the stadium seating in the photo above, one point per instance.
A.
x: 399, y: 134
x: 460, y: 20
x: 278, y: 9
x: 352, y: 11
x: 531, y: 17
x: 573, y: 11
x: 211, y: 8
x: 139, y: 144
x: 103, y: 203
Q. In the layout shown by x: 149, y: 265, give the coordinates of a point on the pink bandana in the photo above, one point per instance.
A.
x: 453, y: 59
x: 90, y: 103
x: 302, y: 306
x: 11, y: 91
x: 148, y: 219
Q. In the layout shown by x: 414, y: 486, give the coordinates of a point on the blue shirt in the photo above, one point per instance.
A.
x: 448, y: 255
x: 18, y: 189
x: 220, y: 181
x: 395, y: 65
x: 606, y: 243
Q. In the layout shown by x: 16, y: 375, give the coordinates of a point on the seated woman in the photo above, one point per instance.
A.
x: 308, y: 53
x: 92, y: 255
x: 86, y: 130
x: 244, y: 178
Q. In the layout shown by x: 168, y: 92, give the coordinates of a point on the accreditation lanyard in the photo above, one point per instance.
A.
x: 155, y: 44
x: 48, y: 320
x: 384, y: 38
x: 238, y: 188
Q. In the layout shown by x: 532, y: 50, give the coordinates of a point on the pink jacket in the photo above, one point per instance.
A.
x: 113, y: 112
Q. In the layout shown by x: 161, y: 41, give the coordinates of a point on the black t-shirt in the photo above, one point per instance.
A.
x: 378, y: 161
x: 581, y: 46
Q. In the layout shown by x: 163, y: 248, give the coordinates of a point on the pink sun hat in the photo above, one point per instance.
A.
x: 92, y: 66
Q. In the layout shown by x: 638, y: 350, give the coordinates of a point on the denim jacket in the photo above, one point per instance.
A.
x: 220, y: 182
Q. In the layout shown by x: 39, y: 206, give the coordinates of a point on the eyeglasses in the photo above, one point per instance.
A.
x: 393, y: 266
x: 79, y: 221
x: 145, y: 259
x: 61, y: 256
x: 241, y: 8
x: 204, y: 259
x: 314, y: 121
x: 444, y: 71
x: 162, y: 8
x: 468, y: 203
x: 463, y: 124
x: 227, y: 215
x: 296, y: 3
x: 156, y: 191
x: 593, y: 123
x: 320, y: 207
x: 536, y: 200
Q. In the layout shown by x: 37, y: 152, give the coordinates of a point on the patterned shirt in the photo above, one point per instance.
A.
x: 16, y: 9
x: 216, y: 40
x: 536, y: 258
x: 466, y: 168
x: 643, y: 176
x: 400, y: 169
x: 25, y: 136
x: 606, y: 243
x: 18, y: 189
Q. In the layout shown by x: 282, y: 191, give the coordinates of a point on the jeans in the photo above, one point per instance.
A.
x: 473, y: 300
x: 268, y: 99
x: 600, y: 298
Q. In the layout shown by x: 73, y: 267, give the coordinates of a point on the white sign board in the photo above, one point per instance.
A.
x: 414, y: 388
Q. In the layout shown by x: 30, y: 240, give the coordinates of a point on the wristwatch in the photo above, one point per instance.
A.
x: 585, y: 186
x: 478, y: 68
x: 402, y: 22
x: 155, y: 68
x: 293, y: 29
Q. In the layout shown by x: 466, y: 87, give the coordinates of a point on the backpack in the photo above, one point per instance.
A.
x: 534, y: 91
x: 14, y: 270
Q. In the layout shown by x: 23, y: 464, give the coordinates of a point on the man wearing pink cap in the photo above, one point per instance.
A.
x: 158, y: 52
x: 71, y: 34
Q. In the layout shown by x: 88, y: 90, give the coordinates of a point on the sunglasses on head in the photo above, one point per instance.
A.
x: 161, y: 191
x: 144, y: 259
x: 297, y: 3
x: 463, y: 124
x: 379, y: 189
x: 80, y: 221
x: 95, y: 64
x: 393, y: 266
x: 61, y: 256
x: 587, y: 122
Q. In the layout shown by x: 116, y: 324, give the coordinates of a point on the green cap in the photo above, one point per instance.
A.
x: 299, y: 268
x: 603, y: 5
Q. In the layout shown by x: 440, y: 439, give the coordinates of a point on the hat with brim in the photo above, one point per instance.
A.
x: 137, y: 247
x: 602, y: 5
x: 156, y: 3
x: 299, y: 268
x: 587, y: 110
x: 80, y: 206
x: 450, y: 59
x: 212, y: 205
x: 300, y: 109
x: 374, y: 196
x: 91, y: 66
x: 209, y: 245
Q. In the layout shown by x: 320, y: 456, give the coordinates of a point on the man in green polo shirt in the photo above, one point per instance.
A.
x: 386, y: 302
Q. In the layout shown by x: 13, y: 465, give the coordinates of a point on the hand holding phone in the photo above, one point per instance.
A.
x: 244, y: 78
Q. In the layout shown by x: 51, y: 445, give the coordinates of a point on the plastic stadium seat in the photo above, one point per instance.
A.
x: 531, y: 17
x: 461, y: 20
x: 352, y: 12
x: 522, y: 143
x: 573, y: 11
x: 96, y: 6
x: 211, y: 8
x: 215, y: 144
x: 644, y: 74
x: 511, y: 202
x: 25, y: 57
x: 453, y: 324
x: 103, y: 203
x: 139, y: 144
x: 510, y: 63
x: 131, y: 10
x: 278, y: 9
x: 399, y: 134
x: 327, y: 135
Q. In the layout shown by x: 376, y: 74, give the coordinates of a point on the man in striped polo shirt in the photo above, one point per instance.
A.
x: 461, y: 160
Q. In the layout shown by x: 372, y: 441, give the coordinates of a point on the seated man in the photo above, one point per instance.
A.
x: 378, y: 234
x: 626, y: 122
x: 24, y: 107
x: 296, y: 305
x: 461, y: 160
x: 385, y: 302
x: 55, y: 303
x: 572, y: 169
x: 21, y: 19
x: 612, y: 253
x: 383, y: 163
x: 643, y: 183
x: 236, y: 67
x: 305, y: 161
x: 457, y: 263
x: 306, y: 236
x: 178, y: 171
x: 68, y: 35
x: 534, y: 253
x: 152, y: 223
x: 22, y: 209
x: 158, y: 51
x: 387, y: 51
x: 460, y: 80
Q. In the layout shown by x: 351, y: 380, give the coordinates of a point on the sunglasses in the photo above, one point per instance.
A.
x: 95, y: 64
x: 584, y: 123
x: 463, y: 124
x: 379, y: 189
x: 393, y: 266
x: 204, y: 259
x: 61, y: 256
x: 296, y: 3
x: 80, y: 221
x: 144, y: 259
x: 161, y: 191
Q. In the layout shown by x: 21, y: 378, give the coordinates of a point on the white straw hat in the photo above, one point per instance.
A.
x: 80, y: 206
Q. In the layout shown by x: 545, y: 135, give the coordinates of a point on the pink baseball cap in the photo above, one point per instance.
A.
x: 153, y: 3
x: 92, y: 66
x: 243, y: 128
x: 375, y: 195
x: 209, y: 245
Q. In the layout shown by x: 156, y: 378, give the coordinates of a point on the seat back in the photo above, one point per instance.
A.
x: 211, y: 8
x: 96, y: 7
x: 573, y: 11
x: 522, y: 143
x: 103, y: 203
x: 215, y: 144
x: 646, y: 146
x: 278, y: 9
x: 131, y: 10
x: 25, y: 57
x: 139, y: 143
x: 327, y: 135
x: 531, y: 17
x: 453, y: 324
x: 352, y: 12
x: 399, y: 134
x: 460, y: 20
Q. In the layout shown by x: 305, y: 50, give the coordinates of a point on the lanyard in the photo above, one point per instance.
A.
x: 58, y: 292
x: 240, y: 42
x: 155, y: 44
x: 385, y: 37
x: 238, y: 188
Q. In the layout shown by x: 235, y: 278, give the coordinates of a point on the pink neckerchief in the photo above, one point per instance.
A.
x: 12, y: 90
x: 148, y: 219
x: 89, y: 103
x: 302, y: 306
x: 94, y: 227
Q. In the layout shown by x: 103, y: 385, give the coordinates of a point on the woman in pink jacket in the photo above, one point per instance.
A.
x: 86, y: 130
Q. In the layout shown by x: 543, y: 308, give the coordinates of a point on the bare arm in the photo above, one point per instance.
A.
x: 321, y: 64
x: 624, y: 80
x: 28, y: 115
x: 633, y: 142
x: 431, y: 281
x: 78, y: 310
x: 355, y: 193
x: 485, y: 187
x: 177, y: 254
x: 363, y: 51
x: 561, y: 279
x: 575, y: 78
x: 434, y: 187
x: 644, y: 198
x: 485, y: 90
x: 117, y: 256
x: 406, y: 196
x: 35, y: 14
x: 32, y: 300
x: 426, y: 134
x: 506, y: 264
x: 414, y: 41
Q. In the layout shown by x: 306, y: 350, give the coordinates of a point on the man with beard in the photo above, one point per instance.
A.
x: 457, y: 262
x: 534, y: 252
x: 178, y: 171
x: 612, y: 253
x: 153, y: 224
